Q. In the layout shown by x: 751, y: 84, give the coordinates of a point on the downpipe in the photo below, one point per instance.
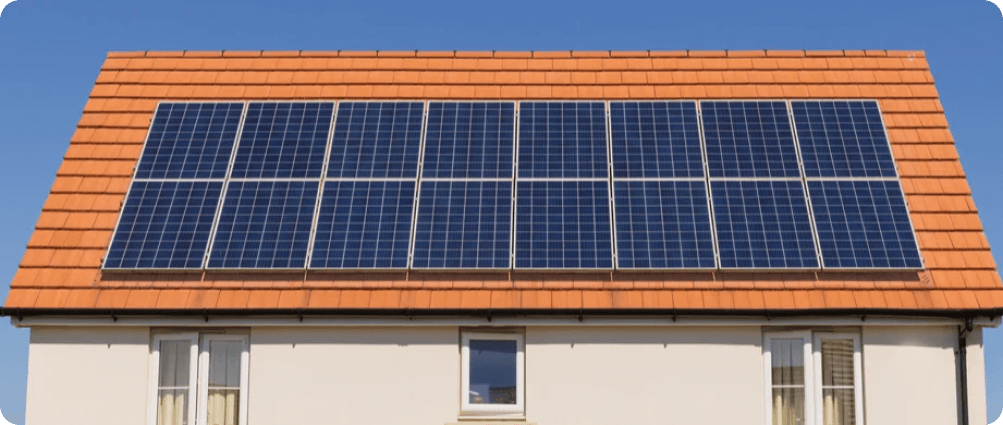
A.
x: 963, y: 364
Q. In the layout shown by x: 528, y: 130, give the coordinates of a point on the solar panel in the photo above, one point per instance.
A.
x: 464, y: 224
x: 663, y: 225
x: 363, y: 224
x: 763, y: 224
x: 562, y: 140
x: 842, y: 139
x: 265, y: 225
x: 376, y: 140
x: 655, y: 139
x: 749, y: 139
x: 863, y: 224
x: 469, y: 140
x: 563, y: 224
x: 190, y: 140
x: 164, y: 225
x: 283, y: 140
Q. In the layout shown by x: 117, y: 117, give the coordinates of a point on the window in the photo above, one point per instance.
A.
x: 813, y: 381
x: 493, y: 374
x: 198, y: 381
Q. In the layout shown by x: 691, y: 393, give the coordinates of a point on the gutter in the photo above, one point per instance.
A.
x: 489, y: 313
x: 963, y: 372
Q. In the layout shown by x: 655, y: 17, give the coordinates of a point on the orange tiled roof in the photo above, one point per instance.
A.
x: 61, y: 268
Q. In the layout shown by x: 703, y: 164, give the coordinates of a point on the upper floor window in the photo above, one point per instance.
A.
x: 813, y: 380
x: 493, y: 372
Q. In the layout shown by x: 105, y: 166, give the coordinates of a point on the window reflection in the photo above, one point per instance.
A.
x: 493, y: 371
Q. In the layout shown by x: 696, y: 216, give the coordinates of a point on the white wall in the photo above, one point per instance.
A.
x: 87, y: 376
x: 574, y: 375
x: 976, y: 379
x: 910, y: 375
x: 354, y: 376
x: 647, y: 375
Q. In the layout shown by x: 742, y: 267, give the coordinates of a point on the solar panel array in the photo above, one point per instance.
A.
x: 644, y: 185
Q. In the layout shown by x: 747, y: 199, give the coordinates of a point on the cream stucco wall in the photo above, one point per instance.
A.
x: 649, y: 375
x: 910, y: 375
x: 87, y: 376
x: 355, y: 376
x: 574, y: 375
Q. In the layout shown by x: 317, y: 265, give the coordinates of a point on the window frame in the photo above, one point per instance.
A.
x: 198, y: 378
x: 153, y: 405
x: 858, y: 374
x: 203, y: 382
x: 467, y: 409
x: 812, y: 372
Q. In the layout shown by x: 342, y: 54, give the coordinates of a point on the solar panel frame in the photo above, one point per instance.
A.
x: 425, y: 140
x: 562, y: 171
x: 609, y: 221
x: 135, y: 178
x: 422, y: 178
x: 652, y: 140
x: 892, y: 173
x: 807, y: 210
x: 905, y: 212
x: 895, y: 178
x: 118, y: 229
x: 222, y: 210
x: 374, y: 173
x: 138, y: 169
x: 240, y: 142
x: 712, y: 170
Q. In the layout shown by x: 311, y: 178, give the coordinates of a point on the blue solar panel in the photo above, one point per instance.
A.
x: 749, y: 139
x: 469, y: 140
x: 376, y: 140
x: 562, y: 139
x: 763, y: 224
x: 563, y: 224
x: 265, y: 225
x: 842, y: 139
x: 663, y: 225
x: 464, y: 224
x: 190, y: 140
x: 363, y: 224
x: 164, y: 225
x: 656, y: 139
x: 863, y: 224
x: 283, y: 140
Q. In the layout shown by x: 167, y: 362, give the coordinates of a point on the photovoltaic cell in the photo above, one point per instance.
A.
x: 190, y: 140
x: 863, y: 224
x: 469, y: 140
x: 655, y: 139
x: 364, y: 224
x: 464, y: 224
x: 376, y: 140
x: 164, y: 225
x: 563, y: 224
x: 283, y: 140
x: 842, y: 139
x: 763, y: 224
x: 562, y: 139
x: 264, y: 225
x: 663, y: 225
x: 749, y: 139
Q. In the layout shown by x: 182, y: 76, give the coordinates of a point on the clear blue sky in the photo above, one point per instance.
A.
x: 52, y: 50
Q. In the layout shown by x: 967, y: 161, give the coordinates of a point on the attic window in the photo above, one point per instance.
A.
x: 493, y: 374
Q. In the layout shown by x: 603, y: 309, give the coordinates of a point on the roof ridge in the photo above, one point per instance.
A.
x: 530, y: 54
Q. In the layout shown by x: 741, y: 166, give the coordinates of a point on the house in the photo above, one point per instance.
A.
x: 754, y: 237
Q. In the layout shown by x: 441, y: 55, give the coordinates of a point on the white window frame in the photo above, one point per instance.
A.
x: 203, y: 396
x: 516, y: 410
x: 858, y: 374
x: 812, y: 373
x: 154, y: 404
x: 198, y: 391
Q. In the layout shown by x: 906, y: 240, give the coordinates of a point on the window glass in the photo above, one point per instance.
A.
x: 493, y: 371
x: 172, y: 391
x: 837, y: 382
x: 224, y: 382
x: 788, y: 381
